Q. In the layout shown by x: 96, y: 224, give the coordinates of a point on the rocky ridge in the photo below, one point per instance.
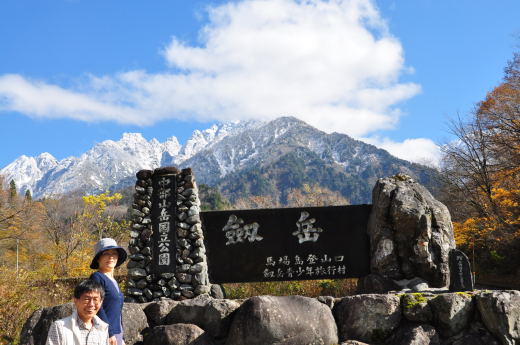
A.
x: 241, y: 158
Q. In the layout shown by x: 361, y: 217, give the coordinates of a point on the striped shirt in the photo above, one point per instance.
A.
x: 92, y: 336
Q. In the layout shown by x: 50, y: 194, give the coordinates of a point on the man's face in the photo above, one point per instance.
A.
x: 88, y: 305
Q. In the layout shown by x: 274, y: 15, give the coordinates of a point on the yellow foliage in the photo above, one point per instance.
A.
x: 20, y: 295
x: 98, y: 203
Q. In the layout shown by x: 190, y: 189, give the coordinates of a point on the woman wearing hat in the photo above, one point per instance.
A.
x: 108, y: 256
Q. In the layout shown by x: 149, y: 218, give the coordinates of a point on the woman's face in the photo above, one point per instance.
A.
x: 107, y: 260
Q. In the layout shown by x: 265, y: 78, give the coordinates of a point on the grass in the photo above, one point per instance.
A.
x: 309, y: 288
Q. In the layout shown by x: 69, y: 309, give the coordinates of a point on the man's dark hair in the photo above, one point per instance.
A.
x: 88, y: 286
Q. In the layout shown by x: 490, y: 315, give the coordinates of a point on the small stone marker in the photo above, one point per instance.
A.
x: 460, y: 271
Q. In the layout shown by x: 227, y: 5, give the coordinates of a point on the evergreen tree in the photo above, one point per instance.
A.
x: 28, y: 195
x: 12, y: 190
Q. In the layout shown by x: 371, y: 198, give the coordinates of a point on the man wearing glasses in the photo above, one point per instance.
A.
x: 83, y: 327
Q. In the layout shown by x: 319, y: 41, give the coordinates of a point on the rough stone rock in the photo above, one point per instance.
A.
x: 414, y: 335
x: 217, y: 292
x: 410, y: 232
x: 282, y: 320
x: 369, y: 318
x: 477, y: 335
x: 416, y: 284
x: 144, y: 174
x: 327, y: 300
x: 202, y: 289
x: 188, y: 293
x: 212, y: 315
x: 353, y: 342
x: 500, y: 312
x: 375, y: 283
x: 134, y: 291
x: 36, y: 328
x: 451, y: 312
x: 166, y: 171
x: 178, y: 334
x: 28, y: 329
x: 134, y: 322
x: 416, y: 308
x: 135, y: 264
x: 137, y: 273
x: 156, y: 312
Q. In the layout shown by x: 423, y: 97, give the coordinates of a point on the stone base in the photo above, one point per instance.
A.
x: 461, y: 318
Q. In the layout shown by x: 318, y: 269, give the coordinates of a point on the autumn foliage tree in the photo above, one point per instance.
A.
x: 483, y: 171
x: 46, y: 240
x: 73, y: 225
x: 307, y: 196
x: 20, y: 226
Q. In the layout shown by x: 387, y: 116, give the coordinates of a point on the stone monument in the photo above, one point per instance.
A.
x: 167, y: 253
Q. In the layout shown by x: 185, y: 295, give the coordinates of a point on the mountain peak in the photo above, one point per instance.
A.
x: 45, y: 156
x: 132, y: 138
x: 222, y: 155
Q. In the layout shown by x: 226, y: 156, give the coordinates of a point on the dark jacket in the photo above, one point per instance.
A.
x: 112, y: 306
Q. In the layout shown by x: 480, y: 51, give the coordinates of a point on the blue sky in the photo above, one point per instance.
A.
x: 393, y: 73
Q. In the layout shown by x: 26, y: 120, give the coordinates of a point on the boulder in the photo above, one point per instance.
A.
x: 452, y: 312
x: 282, y: 320
x: 327, y: 300
x: 156, y: 312
x: 177, y: 334
x: 212, y: 315
x: 500, y: 312
x: 410, y: 232
x: 368, y: 318
x: 375, y: 283
x: 415, y: 335
x: 134, y: 322
x: 476, y: 335
x: 36, y: 328
x: 353, y: 342
x: 217, y: 291
x: 416, y: 307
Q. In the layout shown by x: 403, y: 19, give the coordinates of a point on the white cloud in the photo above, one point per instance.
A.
x: 43, y: 100
x: 331, y: 63
x: 419, y: 150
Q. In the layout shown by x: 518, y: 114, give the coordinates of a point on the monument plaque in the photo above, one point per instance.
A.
x: 287, y: 244
x: 460, y: 271
x: 163, y: 221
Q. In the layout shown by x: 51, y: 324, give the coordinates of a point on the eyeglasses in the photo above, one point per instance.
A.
x: 87, y: 300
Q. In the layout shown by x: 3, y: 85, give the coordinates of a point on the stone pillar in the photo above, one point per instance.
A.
x: 182, y: 239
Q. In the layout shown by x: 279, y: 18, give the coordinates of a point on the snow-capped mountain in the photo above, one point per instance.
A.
x: 110, y: 163
x: 27, y: 171
x: 286, y: 153
x: 239, y: 157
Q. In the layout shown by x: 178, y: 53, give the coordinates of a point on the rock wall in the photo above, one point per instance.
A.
x: 476, y: 318
x: 190, y: 278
